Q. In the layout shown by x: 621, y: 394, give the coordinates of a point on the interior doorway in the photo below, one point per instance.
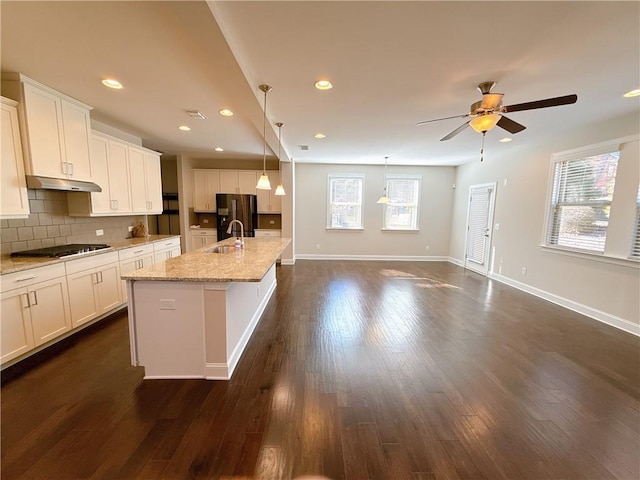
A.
x: 479, y: 227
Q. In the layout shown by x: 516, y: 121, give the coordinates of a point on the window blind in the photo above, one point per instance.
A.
x: 635, y: 241
x: 401, y: 213
x: 345, y: 202
x: 581, y: 201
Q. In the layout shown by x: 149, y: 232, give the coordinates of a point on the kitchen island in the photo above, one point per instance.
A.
x: 192, y: 316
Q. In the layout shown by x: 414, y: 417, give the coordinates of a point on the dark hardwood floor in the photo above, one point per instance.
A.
x: 357, y: 370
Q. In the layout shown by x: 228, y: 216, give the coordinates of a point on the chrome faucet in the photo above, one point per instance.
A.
x: 241, y: 230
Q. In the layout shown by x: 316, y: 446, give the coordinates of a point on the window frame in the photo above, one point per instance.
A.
x: 617, y: 144
x: 329, y: 203
x: 400, y: 176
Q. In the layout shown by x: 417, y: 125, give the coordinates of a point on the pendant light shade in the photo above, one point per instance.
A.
x: 384, y: 198
x: 279, y: 189
x: 263, y: 182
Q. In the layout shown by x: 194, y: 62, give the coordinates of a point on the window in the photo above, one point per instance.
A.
x: 635, y: 241
x: 401, y: 213
x: 581, y: 201
x: 345, y: 201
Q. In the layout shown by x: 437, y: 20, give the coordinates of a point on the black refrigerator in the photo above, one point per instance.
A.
x: 231, y: 206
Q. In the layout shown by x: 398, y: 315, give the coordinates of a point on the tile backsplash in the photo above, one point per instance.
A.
x: 50, y: 224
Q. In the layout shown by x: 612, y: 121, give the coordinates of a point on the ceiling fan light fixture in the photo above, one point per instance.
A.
x: 632, y: 93
x: 484, y: 123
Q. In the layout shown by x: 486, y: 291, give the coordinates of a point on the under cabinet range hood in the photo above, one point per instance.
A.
x: 65, y: 184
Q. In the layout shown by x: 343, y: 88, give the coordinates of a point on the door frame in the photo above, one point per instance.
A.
x: 483, y: 268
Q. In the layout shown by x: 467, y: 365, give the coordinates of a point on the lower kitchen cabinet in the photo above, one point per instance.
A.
x: 95, y: 290
x: 166, y: 249
x: 131, y: 259
x: 34, y: 313
x: 202, y: 236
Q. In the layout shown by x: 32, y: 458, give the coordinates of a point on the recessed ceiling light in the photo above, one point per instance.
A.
x: 111, y: 83
x: 320, y: 135
x: 632, y: 93
x: 323, y: 85
x: 505, y: 140
x: 219, y: 149
x: 184, y: 128
x: 226, y: 112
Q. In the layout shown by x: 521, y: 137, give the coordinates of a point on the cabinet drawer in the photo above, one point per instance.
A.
x: 203, y: 232
x: 93, y: 261
x: 167, y: 244
x: 267, y: 233
x: 31, y: 276
x: 133, y: 252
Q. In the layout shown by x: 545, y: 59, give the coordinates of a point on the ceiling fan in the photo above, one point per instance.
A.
x: 489, y: 112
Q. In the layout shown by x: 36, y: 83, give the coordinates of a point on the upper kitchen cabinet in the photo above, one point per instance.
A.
x: 55, y: 129
x: 206, y: 183
x: 13, y: 188
x: 268, y: 201
x: 146, y: 181
x: 238, y: 181
x: 110, y: 166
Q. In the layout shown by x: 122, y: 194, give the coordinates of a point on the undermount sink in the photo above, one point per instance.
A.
x: 222, y: 249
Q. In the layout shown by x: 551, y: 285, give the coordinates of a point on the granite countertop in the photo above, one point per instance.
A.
x: 16, y: 264
x: 248, y: 264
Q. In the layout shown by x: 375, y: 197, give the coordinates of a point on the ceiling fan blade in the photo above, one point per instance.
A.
x: 509, y: 125
x: 455, y: 132
x: 444, y: 118
x: 491, y: 100
x: 548, y: 102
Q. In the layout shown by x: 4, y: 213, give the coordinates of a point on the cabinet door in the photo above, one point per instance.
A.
x: 247, y: 182
x: 119, y: 182
x: 131, y: 265
x: 76, y: 129
x: 16, y: 334
x: 43, y: 113
x: 275, y: 200
x: 100, y: 201
x: 228, y: 181
x: 138, y: 184
x: 108, y: 287
x: 13, y: 189
x: 83, y: 300
x: 153, y: 182
x: 200, y: 191
x: 49, y: 310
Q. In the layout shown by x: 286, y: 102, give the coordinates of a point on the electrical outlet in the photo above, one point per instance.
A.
x: 427, y: 248
x: 496, y: 227
x: 524, y: 270
x: 205, y: 220
x: 272, y: 222
x: 130, y: 228
x: 317, y: 246
x: 167, y: 304
x: 99, y: 233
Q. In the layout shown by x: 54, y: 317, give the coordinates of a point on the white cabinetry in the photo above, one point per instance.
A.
x: 265, y: 233
x: 146, y: 183
x: 203, y: 236
x: 34, y: 309
x: 268, y: 201
x: 206, y: 183
x: 13, y: 188
x: 166, y: 249
x: 55, y: 129
x: 94, y: 286
x: 238, y: 181
x: 132, y: 259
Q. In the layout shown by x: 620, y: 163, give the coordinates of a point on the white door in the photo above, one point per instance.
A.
x: 479, y: 222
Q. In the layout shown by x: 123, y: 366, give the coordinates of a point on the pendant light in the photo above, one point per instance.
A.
x: 384, y: 198
x: 264, y: 183
x: 279, y: 189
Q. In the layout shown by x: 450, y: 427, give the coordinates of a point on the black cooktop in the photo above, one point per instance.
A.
x: 61, y: 250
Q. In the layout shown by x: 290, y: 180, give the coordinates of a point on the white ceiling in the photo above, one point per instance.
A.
x: 392, y: 64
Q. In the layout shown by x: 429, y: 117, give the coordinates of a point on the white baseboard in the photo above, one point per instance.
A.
x: 288, y: 261
x: 394, y: 258
x: 599, y: 315
x: 456, y: 261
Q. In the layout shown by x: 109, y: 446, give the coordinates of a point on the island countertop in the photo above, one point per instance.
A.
x: 248, y: 264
